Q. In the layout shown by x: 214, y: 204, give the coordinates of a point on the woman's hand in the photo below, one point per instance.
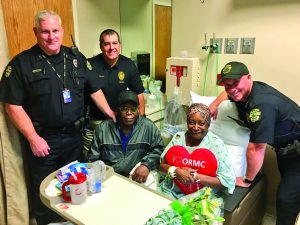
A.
x: 184, y: 175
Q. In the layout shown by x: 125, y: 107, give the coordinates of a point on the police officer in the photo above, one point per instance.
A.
x: 273, y: 119
x: 116, y: 73
x: 43, y: 90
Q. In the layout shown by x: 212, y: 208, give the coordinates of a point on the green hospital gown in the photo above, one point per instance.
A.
x: 225, y: 171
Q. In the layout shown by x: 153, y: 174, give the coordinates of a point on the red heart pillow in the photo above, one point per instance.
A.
x: 201, y: 159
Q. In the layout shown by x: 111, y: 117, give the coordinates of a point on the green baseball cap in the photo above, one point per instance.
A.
x: 233, y: 70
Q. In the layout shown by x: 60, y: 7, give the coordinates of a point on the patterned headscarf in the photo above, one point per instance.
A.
x: 200, y: 108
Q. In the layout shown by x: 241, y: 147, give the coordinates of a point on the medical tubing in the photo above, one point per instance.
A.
x: 161, y: 113
x: 205, y: 74
x: 217, y: 70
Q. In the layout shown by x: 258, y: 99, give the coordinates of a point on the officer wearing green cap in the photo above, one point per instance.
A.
x: 273, y: 119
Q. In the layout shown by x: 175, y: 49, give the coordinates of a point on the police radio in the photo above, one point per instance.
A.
x: 74, y: 48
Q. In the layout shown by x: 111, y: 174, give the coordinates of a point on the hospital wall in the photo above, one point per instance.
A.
x: 132, y: 19
x: 274, y: 24
x: 91, y: 17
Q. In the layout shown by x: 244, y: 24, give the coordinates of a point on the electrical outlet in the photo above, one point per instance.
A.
x: 216, y: 45
x: 247, y: 45
x: 231, y: 45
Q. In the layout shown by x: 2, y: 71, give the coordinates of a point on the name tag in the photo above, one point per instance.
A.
x: 36, y: 70
x: 67, y: 96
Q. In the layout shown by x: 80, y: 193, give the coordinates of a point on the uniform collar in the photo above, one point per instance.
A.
x: 250, y: 96
x: 36, y: 48
x: 54, y: 59
x: 107, y: 66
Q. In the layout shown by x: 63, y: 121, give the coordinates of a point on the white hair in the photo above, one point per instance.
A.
x: 45, y: 14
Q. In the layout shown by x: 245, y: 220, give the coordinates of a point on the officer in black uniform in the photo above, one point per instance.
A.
x: 273, y: 119
x: 116, y: 73
x: 43, y: 92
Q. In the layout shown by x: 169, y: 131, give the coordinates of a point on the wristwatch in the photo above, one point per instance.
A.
x: 246, y: 180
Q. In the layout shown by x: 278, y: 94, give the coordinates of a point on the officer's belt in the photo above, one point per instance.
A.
x: 76, y: 127
x: 291, y: 150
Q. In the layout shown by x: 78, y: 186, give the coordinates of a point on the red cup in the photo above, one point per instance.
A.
x: 78, y: 189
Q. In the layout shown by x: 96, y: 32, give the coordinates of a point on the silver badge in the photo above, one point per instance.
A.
x: 75, y: 63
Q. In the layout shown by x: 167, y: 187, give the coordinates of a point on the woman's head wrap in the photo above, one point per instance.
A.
x: 200, y: 108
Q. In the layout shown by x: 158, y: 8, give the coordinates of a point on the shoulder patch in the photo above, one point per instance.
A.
x: 88, y: 65
x: 254, y: 115
x: 8, y: 71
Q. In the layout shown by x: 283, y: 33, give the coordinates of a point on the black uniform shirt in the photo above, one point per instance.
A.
x: 114, y: 80
x: 272, y: 117
x: 29, y: 81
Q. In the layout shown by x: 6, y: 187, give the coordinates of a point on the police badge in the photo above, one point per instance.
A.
x: 75, y: 63
x: 121, y: 76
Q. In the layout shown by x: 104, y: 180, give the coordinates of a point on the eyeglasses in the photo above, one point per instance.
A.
x: 125, y: 109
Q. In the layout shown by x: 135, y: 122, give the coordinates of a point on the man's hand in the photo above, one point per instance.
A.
x: 111, y: 114
x: 214, y: 105
x: 240, y: 182
x: 100, y: 101
x: 184, y: 175
x: 213, y: 111
x: 23, y: 123
x: 39, y: 146
x: 140, y: 174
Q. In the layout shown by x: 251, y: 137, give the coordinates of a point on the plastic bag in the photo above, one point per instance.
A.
x: 203, y: 207
x: 175, y: 116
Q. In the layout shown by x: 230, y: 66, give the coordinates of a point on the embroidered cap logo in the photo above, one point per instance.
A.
x: 227, y: 69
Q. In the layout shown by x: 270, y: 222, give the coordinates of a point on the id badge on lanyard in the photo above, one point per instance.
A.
x: 66, y: 92
x: 67, y: 96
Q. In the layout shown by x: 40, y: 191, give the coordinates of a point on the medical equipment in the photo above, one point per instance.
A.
x: 185, y: 74
x: 142, y: 61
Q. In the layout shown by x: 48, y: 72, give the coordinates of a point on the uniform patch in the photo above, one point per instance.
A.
x: 254, y: 115
x: 227, y: 69
x: 88, y: 65
x: 121, y: 76
x: 8, y: 71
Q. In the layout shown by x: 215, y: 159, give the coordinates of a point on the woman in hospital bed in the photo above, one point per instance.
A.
x: 196, y: 158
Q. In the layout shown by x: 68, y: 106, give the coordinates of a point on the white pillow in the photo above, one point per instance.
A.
x: 237, y: 156
x: 235, y: 137
x: 201, y: 99
x: 230, y: 132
